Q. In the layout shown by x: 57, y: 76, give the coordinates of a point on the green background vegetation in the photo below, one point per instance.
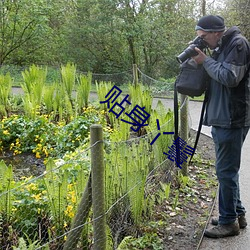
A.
x: 107, y: 36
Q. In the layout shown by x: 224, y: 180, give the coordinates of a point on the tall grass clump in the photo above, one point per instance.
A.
x: 5, y: 90
x: 166, y: 122
x: 68, y: 74
x: 48, y: 97
x: 141, y: 96
x: 83, y: 91
x: 33, y: 85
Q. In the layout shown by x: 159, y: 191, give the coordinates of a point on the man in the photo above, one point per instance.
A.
x: 228, y: 112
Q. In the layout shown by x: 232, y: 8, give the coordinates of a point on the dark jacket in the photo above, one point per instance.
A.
x: 228, y: 103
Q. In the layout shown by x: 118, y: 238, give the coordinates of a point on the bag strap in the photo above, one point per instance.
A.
x: 176, y: 123
x: 200, y: 125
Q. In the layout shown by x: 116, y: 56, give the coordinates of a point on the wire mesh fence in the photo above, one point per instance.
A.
x: 160, y: 87
x: 41, y: 210
x: 55, y: 210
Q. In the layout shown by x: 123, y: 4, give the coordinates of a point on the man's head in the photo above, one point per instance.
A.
x: 211, y: 29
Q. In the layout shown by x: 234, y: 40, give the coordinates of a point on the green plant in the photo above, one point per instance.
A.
x: 34, y: 81
x: 176, y: 199
x: 6, y: 184
x: 83, y: 91
x: 30, y: 207
x: 164, y: 192
x: 44, y: 137
x: 56, y: 187
x: 141, y: 96
x: 68, y: 74
x: 5, y: 90
x: 183, y: 180
x: 147, y: 241
x: 29, y: 245
x: 126, y: 172
x: 102, y: 89
x: 48, y: 98
x: 166, y: 122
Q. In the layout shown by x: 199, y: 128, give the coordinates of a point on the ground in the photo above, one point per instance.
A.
x: 187, y: 223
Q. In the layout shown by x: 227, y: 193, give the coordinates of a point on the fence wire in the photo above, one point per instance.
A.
x: 48, y: 203
x: 39, y: 213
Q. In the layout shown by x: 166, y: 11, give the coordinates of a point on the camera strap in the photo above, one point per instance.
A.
x: 176, y: 123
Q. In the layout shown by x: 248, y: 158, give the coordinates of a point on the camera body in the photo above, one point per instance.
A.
x: 190, y: 51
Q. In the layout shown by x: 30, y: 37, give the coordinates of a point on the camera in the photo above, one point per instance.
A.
x: 190, y: 51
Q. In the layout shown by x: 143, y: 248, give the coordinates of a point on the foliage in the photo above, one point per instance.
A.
x: 30, y: 204
x: 141, y: 96
x: 106, y: 36
x: 43, y: 206
x: 51, y: 200
x: 83, y: 91
x: 34, y: 81
x: 147, y: 241
x: 5, y: 89
x: 6, y: 184
x: 166, y: 123
x: 22, y: 245
x: 68, y: 74
x: 43, y: 137
x: 236, y: 13
x: 22, y: 23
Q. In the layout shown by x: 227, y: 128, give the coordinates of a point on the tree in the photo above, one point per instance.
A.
x: 21, y: 21
x: 237, y: 12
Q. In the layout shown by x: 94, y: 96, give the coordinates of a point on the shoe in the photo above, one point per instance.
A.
x: 241, y: 219
x: 221, y: 231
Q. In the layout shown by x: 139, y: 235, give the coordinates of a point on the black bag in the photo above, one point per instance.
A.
x: 192, y: 80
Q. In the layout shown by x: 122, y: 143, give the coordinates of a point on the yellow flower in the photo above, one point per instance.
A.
x: 37, y: 196
x: 31, y: 187
x: 14, y: 209
x: 73, y: 199
x: 38, y: 155
x: 17, y: 152
x: 69, y: 211
x: 45, y: 151
x: 6, y: 132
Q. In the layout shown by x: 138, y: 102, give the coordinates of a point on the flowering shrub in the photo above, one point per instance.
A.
x: 43, y: 137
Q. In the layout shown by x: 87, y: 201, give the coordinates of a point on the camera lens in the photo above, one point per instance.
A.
x: 187, y: 53
x: 190, y: 50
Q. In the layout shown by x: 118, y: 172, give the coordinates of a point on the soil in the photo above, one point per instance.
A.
x: 188, y: 221
x: 25, y: 164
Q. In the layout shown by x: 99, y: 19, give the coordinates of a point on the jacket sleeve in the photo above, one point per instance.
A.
x: 232, y: 69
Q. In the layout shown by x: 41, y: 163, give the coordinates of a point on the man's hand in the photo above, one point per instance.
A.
x: 200, y: 58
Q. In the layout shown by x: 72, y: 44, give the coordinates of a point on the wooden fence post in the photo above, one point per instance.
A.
x: 184, y: 127
x: 135, y: 74
x: 98, y: 195
x: 80, y: 218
